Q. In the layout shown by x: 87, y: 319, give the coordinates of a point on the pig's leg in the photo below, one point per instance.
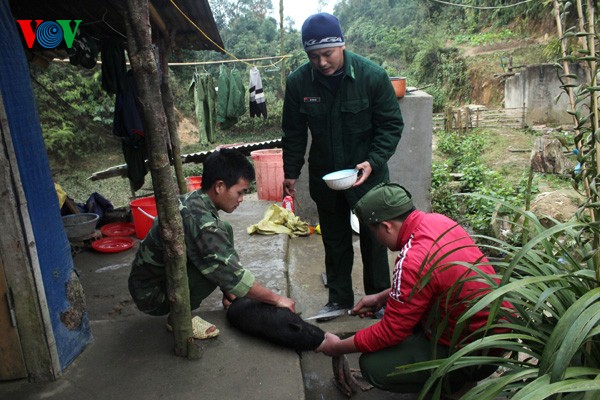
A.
x: 358, y: 380
x: 341, y: 371
x: 348, y: 380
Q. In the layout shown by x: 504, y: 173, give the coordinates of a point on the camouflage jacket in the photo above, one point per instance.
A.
x: 209, y: 248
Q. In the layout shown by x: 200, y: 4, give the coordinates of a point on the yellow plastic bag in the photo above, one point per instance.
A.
x: 279, y: 220
x: 62, y: 195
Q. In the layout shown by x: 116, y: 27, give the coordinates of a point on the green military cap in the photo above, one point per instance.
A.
x: 384, y: 202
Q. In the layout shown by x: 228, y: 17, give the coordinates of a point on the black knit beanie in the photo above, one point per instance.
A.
x: 320, y: 31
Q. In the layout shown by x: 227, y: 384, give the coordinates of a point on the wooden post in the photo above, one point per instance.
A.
x: 449, y: 116
x: 145, y: 71
x: 468, y: 122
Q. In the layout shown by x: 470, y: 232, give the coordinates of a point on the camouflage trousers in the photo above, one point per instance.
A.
x: 151, y: 297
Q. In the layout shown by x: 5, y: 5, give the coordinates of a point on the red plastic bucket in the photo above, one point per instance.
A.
x: 143, y: 211
x: 268, y: 165
x: 193, y: 183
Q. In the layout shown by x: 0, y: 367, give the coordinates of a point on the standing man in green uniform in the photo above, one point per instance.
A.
x: 211, y: 257
x: 350, y: 107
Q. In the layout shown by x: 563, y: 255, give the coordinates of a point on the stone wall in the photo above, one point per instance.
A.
x: 538, y: 88
x: 410, y: 165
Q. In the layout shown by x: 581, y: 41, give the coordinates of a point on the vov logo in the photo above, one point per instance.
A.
x: 49, y: 34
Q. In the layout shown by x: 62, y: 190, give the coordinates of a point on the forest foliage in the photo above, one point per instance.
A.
x: 412, y: 38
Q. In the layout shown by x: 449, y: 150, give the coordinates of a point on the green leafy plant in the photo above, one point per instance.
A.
x: 443, y: 200
x: 550, y: 337
x: 74, y: 111
x: 464, y: 161
x: 483, y: 38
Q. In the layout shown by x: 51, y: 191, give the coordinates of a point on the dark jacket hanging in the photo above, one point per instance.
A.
x: 128, y: 125
x: 113, y: 66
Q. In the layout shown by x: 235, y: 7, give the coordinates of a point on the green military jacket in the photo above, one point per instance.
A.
x: 209, y: 248
x: 360, y: 122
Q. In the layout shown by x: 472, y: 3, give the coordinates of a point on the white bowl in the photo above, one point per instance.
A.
x: 341, y: 180
x: 354, y: 223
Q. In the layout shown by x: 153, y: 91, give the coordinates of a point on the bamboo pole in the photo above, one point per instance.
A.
x: 592, y: 48
x: 569, y: 89
x: 563, y: 48
x: 594, y: 82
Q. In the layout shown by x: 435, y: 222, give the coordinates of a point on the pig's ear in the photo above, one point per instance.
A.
x: 294, y: 326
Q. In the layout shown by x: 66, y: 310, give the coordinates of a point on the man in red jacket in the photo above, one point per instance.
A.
x: 431, y: 277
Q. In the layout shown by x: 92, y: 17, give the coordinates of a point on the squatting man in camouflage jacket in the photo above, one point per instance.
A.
x: 211, y: 258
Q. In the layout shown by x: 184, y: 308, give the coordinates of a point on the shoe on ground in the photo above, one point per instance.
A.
x: 379, y: 313
x: 332, y: 306
x: 201, y: 329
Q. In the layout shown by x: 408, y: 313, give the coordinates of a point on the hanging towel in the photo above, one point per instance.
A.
x: 258, y: 104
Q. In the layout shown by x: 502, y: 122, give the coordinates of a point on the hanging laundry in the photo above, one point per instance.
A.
x: 128, y: 125
x: 205, y: 100
x: 113, y: 66
x: 83, y: 51
x: 231, y: 97
x: 258, y: 104
x: 222, y: 94
x: 236, y: 104
x: 211, y: 92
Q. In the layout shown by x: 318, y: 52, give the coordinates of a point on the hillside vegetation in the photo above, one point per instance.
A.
x: 547, y: 268
x: 458, y: 54
x: 454, y: 51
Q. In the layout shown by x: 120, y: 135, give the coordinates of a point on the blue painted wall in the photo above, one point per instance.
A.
x: 53, y: 248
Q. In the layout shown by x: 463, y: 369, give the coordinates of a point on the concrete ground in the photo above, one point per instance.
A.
x: 131, y: 356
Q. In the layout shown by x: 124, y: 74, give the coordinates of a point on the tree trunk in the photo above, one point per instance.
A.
x: 144, y: 65
x: 169, y: 105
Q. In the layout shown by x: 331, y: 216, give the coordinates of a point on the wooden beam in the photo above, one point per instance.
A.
x: 157, y: 20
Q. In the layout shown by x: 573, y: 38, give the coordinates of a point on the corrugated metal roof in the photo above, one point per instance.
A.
x: 104, y: 19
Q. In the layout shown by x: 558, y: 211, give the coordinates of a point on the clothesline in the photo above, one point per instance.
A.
x: 227, y: 61
x: 178, y: 64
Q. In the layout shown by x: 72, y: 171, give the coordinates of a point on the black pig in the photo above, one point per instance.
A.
x: 274, y: 324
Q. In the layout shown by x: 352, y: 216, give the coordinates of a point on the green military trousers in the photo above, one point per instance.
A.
x: 339, y: 253
x: 376, y: 367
